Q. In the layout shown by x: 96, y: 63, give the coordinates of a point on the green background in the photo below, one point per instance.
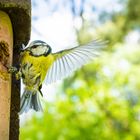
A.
x: 101, y: 101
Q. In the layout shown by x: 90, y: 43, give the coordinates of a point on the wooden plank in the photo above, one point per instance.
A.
x: 6, y: 51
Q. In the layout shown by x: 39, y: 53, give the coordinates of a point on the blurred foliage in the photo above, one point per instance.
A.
x: 133, y: 13
x: 102, y: 100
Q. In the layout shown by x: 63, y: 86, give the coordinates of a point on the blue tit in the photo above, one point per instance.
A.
x: 39, y: 65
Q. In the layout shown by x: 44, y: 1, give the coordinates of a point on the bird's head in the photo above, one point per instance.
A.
x: 38, y: 48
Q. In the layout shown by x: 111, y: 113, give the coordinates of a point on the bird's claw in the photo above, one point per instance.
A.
x: 12, y: 69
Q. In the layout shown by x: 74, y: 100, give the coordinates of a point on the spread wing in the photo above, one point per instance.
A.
x: 69, y: 60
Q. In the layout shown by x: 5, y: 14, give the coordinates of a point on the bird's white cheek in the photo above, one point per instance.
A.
x: 38, y: 51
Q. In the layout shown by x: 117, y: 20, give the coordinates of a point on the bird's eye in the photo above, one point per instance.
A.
x: 35, y: 46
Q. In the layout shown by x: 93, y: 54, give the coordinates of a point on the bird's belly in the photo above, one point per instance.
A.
x: 31, y: 75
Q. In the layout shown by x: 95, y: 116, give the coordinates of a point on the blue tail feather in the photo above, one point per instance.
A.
x: 30, y: 100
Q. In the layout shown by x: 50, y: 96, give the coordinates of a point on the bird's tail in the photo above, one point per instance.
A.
x: 30, y: 100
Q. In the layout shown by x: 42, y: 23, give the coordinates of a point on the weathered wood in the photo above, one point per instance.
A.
x: 6, y: 51
x: 19, y: 12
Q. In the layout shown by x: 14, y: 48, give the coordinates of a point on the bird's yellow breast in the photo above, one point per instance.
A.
x: 40, y: 64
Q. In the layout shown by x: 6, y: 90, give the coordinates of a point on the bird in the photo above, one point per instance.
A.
x: 39, y: 65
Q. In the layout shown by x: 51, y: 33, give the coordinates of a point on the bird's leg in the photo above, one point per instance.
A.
x: 12, y: 69
x: 18, y: 75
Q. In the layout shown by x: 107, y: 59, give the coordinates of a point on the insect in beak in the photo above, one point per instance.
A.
x: 23, y: 47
